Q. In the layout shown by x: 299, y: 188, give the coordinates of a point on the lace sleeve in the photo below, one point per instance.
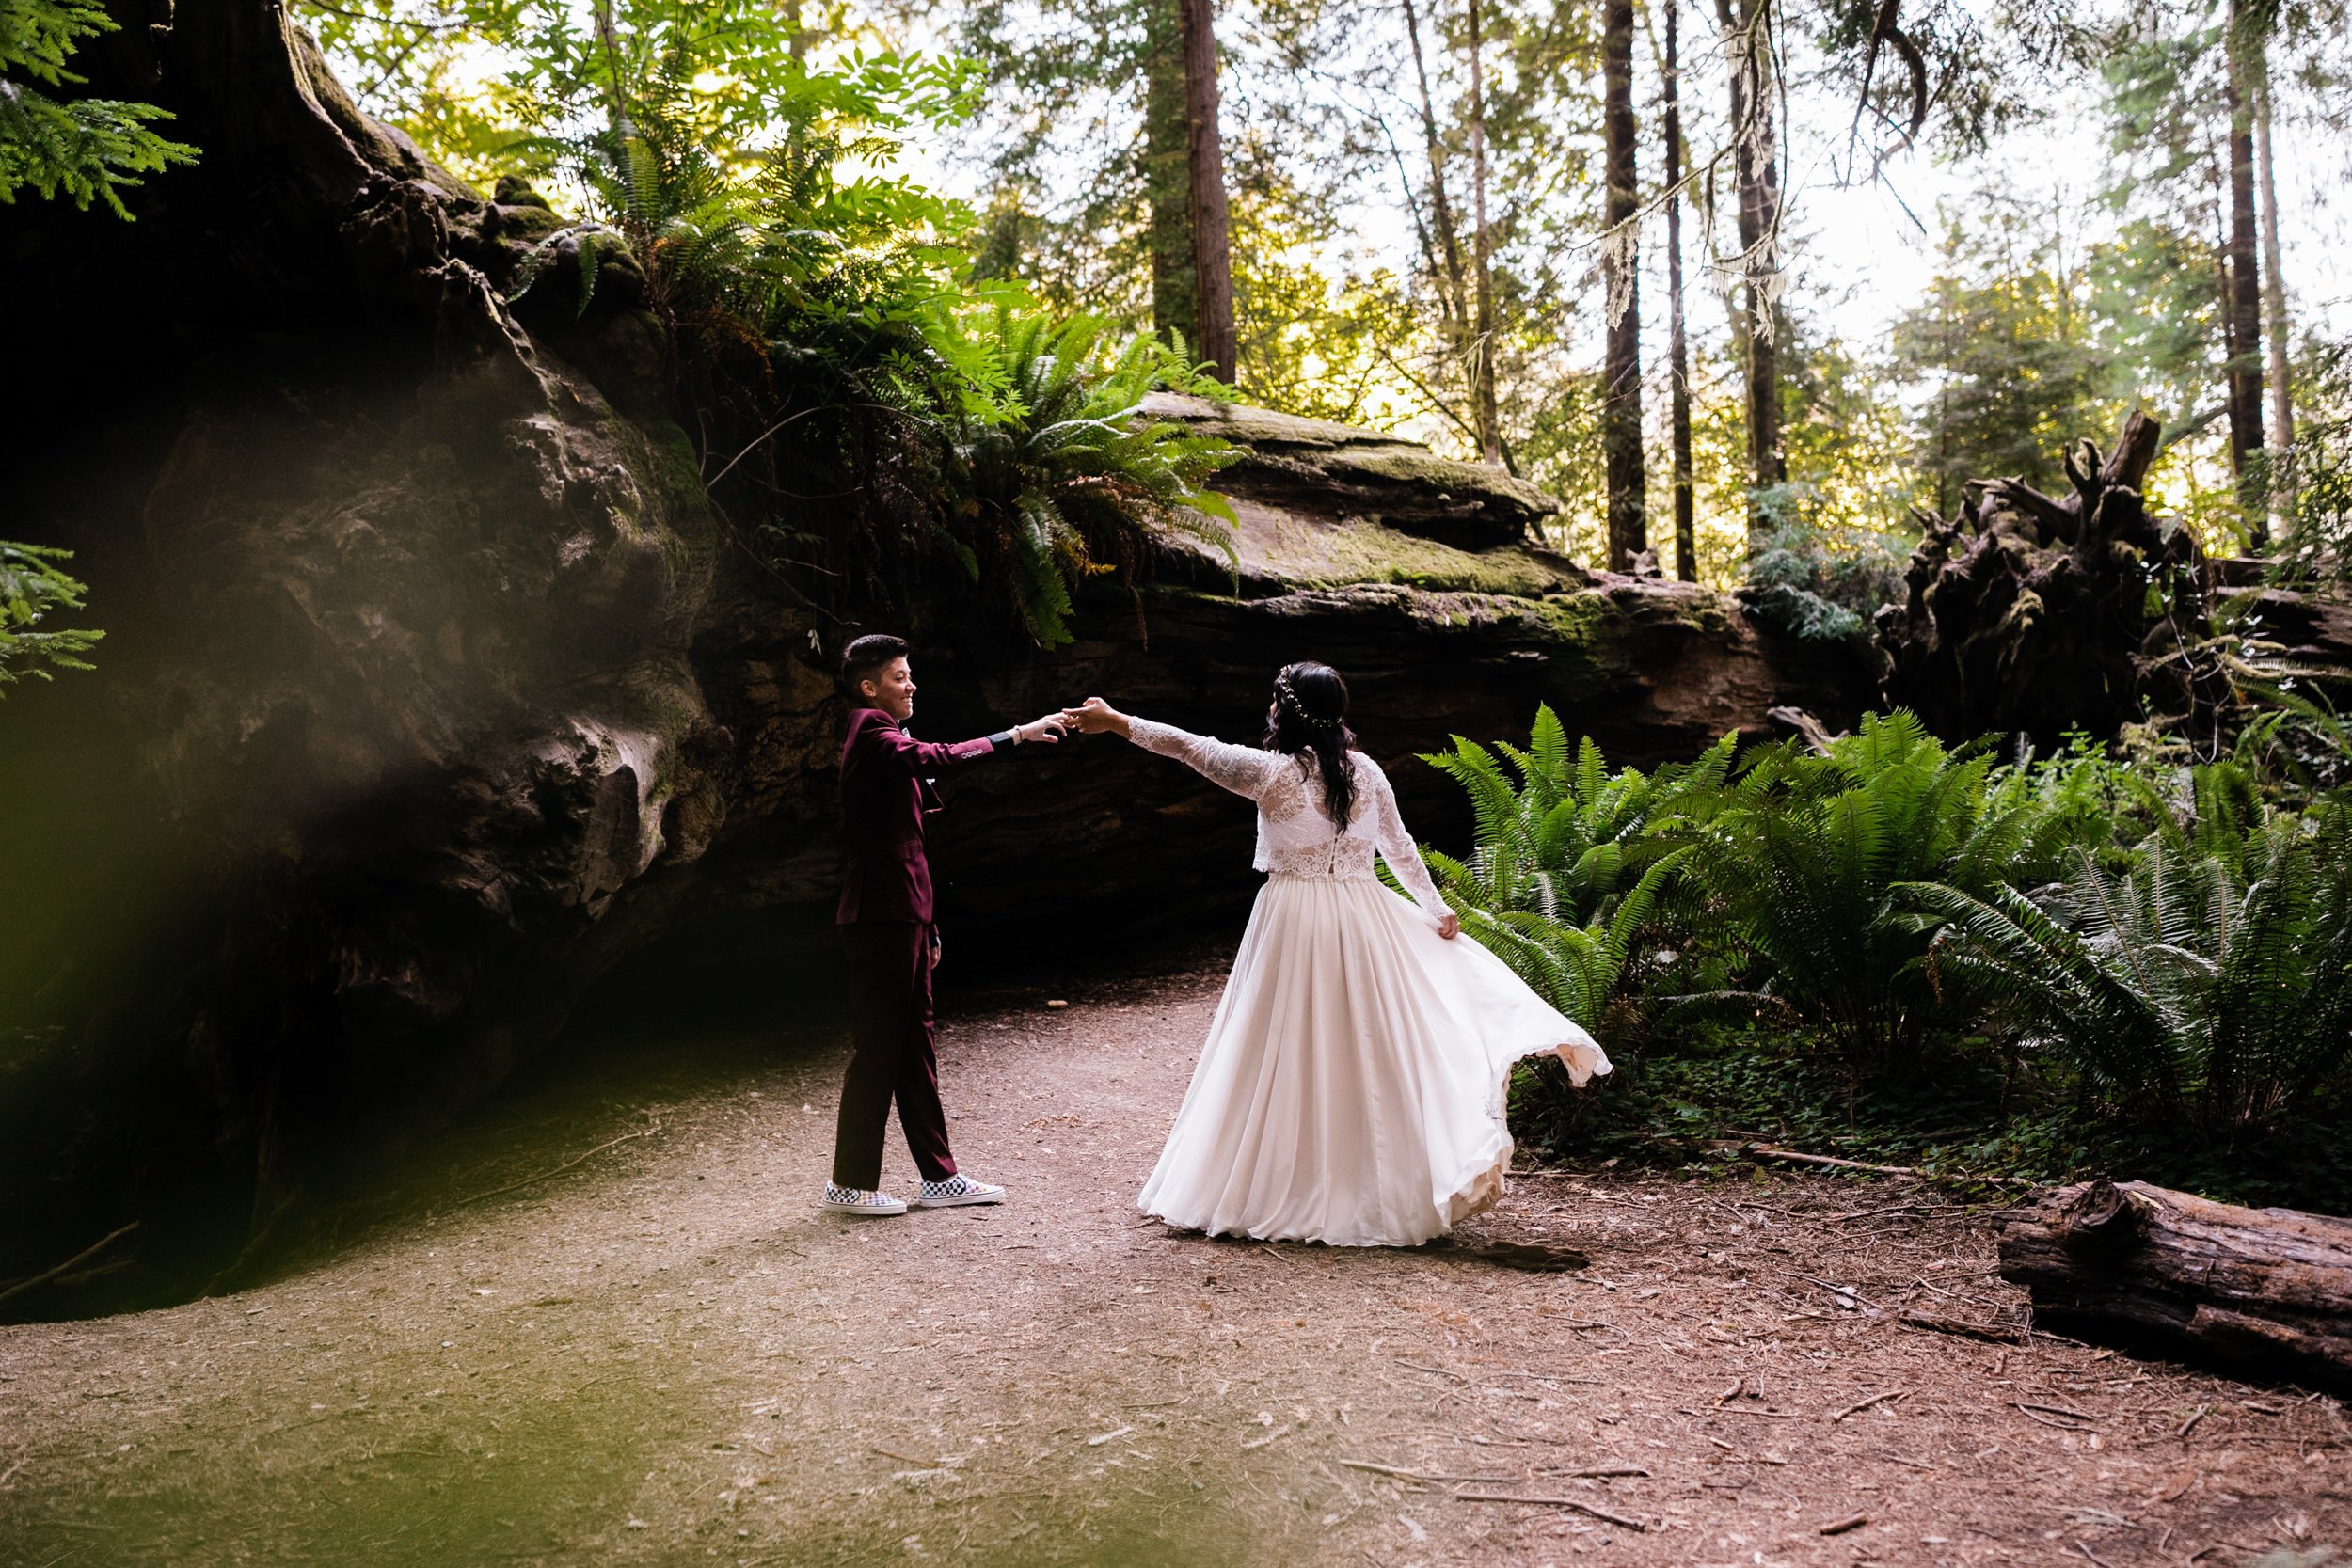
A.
x: 1396, y: 845
x: 1244, y: 769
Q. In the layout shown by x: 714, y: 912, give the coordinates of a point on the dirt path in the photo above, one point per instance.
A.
x: 663, y: 1354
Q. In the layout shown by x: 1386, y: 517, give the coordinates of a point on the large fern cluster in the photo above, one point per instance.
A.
x: 2175, y: 941
x: 1571, y: 861
x: 1058, y: 473
x: 2205, y: 981
x: 1813, y: 854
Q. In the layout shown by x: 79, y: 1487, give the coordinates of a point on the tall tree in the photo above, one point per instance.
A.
x: 1621, y: 373
x: 2261, y: 20
x: 1748, y: 49
x: 1677, y: 342
x: 1483, y: 362
x: 1212, y: 231
x: 1167, y: 177
x: 1452, y: 290
x: 2245, y: 275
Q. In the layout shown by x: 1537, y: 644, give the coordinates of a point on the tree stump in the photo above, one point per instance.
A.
x: 2264, y: 1291
x: 2039, y: 613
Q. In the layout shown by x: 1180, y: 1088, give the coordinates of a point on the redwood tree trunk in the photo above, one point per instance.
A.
x: 1678, y: 343
x: 2244, y: 302
x: 2261, y: 1290
x: 1621, y: 393
x: 2274, y: 298
x: 1168, y: 179
x: 1212, y: 239
x: 1747, y: 37
x: 1483, y: 350
x: 1455, y: 291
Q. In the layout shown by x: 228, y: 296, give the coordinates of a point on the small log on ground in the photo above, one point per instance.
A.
x: 2266, y: 1291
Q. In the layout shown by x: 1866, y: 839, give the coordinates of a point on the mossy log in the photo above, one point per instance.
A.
x: 2263, y: 1291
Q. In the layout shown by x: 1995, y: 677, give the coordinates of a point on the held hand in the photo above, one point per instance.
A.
x: 1095, y: 717
x: 1449, y: 925
x: 1048, y: 729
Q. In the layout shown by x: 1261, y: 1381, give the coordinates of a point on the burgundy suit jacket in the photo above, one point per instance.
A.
x: 885, y: 794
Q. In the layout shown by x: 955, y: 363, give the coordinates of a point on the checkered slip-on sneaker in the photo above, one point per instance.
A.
x: 957, y: 1189
x: 858, y: 1200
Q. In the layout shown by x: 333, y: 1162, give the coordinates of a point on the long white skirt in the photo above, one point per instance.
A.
x: 1351, y: 1090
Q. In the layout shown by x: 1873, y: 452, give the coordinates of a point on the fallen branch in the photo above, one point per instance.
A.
x: 2028, y: 1412
x: 1842, y: 1526
x: 1403, y: 1474
x: 1762, y: 1152
x: 1439, y: 1371
x: 1860, y: 1405
x: 1577, y: 1503
x: 69, y: 1266
x: 1999, y: 1333
x: 533, y: 1181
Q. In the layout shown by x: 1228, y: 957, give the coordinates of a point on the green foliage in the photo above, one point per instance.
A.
x: 2317, y: 545
x: 1814, y: 856
x: 716, y: 160
x: 86, y: 150
x: 1817, y: 580
x: 33, y: 585
x: 2208, y: 983
x: 1571, y: 861
x: 2060, y: 964
x: 1057, y: 474
x: 817, y: 331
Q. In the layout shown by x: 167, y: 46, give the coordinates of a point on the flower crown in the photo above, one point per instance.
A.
x: 1290, y: 698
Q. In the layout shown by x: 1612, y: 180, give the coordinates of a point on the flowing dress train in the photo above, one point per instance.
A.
x: 1351, y: 1088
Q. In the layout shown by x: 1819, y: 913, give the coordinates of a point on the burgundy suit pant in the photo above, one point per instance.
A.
x: 892, y: 1057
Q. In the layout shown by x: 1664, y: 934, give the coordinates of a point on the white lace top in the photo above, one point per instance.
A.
x: 1296, y: 835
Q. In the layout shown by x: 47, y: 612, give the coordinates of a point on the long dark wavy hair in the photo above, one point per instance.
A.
x: 1309, y: 718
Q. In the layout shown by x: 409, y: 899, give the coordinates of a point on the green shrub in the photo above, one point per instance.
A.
x: 2206, y: 984
x: 1811, y: 858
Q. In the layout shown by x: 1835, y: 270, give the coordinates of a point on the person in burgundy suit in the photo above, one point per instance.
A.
x: 885, y: 919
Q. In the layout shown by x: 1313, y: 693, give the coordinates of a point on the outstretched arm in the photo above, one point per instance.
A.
x: 930, y: 758
x: 1244, y: 769
x: 1402, y: 854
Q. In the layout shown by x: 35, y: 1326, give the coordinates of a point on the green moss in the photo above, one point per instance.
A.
x: 1419, y: 465
x: 1323, y: 555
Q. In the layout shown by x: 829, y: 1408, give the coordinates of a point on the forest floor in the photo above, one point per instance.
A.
x: 664, y: 1353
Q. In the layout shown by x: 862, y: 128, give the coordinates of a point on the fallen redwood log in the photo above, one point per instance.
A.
x: 2260, y: 1290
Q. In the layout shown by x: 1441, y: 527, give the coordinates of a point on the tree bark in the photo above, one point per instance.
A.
x: 1678, y: 343
x: 1748, y: 46
x: 2032, y: 612
x: 2260, y: 1290
x: 2244, y: 302
x: 2274, y: 308
x: 1453, y: 291
x: 1483, y: 350
x: 1211, y: 240
x: 1168, y: 179
x: 1621, y: 394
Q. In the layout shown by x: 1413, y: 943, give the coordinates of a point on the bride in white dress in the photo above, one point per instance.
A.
x: 1351, y: 1089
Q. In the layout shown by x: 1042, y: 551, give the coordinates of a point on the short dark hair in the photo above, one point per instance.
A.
x: 865, y: 655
